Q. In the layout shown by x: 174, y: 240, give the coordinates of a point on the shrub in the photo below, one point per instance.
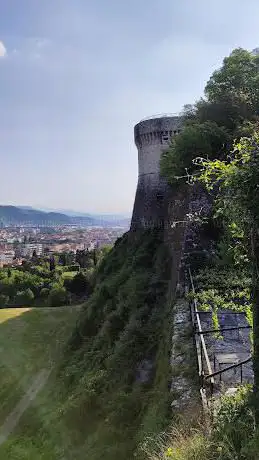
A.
x: 57, y: 297
x: 24, y: 297
x: 44, y: 293
x: 4, y: 299
x: 78, y: 285
x: 232, y: 436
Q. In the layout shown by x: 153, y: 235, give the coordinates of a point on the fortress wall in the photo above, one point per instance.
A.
x: 152, y: 137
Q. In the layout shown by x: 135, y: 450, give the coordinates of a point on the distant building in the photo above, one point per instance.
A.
x: 28, y: 249
x: 6, y: 258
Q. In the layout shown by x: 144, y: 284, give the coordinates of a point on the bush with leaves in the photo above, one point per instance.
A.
x: 57, y: 297
x: 4, y: 299
x: 212, y: 124
x: 44, y: 293
x: 24, y: 298
x: 197, y: 139
x: 78, y: 285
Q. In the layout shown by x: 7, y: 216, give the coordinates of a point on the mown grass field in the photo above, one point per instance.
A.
x: 30, y: 339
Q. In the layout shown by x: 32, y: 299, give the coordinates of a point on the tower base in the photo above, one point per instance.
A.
x: 150, y: 207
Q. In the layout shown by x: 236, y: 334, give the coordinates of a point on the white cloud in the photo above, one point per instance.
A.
x: 2, y: 50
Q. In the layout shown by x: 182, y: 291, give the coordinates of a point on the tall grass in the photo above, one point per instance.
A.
x: 232, y: 435
x: 126, y: 321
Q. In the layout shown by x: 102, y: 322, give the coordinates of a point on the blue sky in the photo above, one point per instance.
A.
x: 76, y: 75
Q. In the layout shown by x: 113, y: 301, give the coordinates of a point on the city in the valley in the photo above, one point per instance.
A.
x: 51, y: 266
x: 21, y: 243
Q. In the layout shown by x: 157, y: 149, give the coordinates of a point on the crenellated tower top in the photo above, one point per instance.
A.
x: 157, y: 130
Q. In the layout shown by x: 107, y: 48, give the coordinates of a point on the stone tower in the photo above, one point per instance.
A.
x: 152, y: 137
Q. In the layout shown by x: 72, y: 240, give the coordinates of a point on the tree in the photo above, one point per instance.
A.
x: 26, y: 265
x: 8, y: 287
x: 106, y: 249
x: 63, y: 259
x: 213, y: 123
x: 83, y: 258
x: 197, y: 139
x: 25, y: 297
x: 52, y: 263
x: 95, y: 260
x: 79, y: 284
x: 44, y: 293
x: 57, y: 297
x: 236, y: 81
x: 232, y: 103
x: 236, y: 183
x: 4, y: 299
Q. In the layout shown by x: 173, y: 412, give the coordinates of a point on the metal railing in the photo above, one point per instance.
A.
x: 201, y: 349
x: 233, y: 366
x: 223, y: 329
x: 198, y: 332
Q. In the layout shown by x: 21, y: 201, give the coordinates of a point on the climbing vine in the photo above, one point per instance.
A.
x: 218, y: 289
x: 235, y: 182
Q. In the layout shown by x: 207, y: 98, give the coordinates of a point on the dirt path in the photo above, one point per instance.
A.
x: 13, y: 418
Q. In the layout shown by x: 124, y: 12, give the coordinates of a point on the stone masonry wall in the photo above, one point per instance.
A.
x: 152, y: 137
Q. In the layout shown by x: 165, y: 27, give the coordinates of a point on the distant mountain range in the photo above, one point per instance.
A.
x: 26, y: 215
x: 73, y: 213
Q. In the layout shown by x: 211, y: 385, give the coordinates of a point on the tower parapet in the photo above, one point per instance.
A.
x: 152, y: 136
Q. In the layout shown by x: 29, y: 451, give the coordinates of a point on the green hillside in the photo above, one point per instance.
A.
x: 112, y: 387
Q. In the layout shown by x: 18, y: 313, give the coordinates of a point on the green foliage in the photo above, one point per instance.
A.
x: 232, y: 435
x: 231, y: 250
x: 122, y: 325
x: 197, y: 139
x: 223, y: 289
x: 63, y: 259
x: 57, y: 296
x: 4, y: 299
x: 78, y: 285
x: 235, y: 419
x: 237, y: 81
x: 40, y: 280
x: 24, y: 298
x: 44, y: 293
x: 236, y: 300
x: 231, y: 103
x: 237, y: 183
x: 73, y: 268
x: 227, y: 113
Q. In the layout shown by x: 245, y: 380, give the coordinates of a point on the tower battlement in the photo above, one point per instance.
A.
x: 156, y: 130
x: 152, y: 136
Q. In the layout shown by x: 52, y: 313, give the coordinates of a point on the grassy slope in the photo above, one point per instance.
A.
x: 30, y: 339
x: 95, y: 408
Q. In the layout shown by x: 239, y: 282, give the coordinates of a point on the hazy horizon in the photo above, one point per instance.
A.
x: 76, y: 76
x: 69, y: 211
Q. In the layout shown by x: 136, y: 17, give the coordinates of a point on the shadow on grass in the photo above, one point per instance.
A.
x: 30, y: 340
